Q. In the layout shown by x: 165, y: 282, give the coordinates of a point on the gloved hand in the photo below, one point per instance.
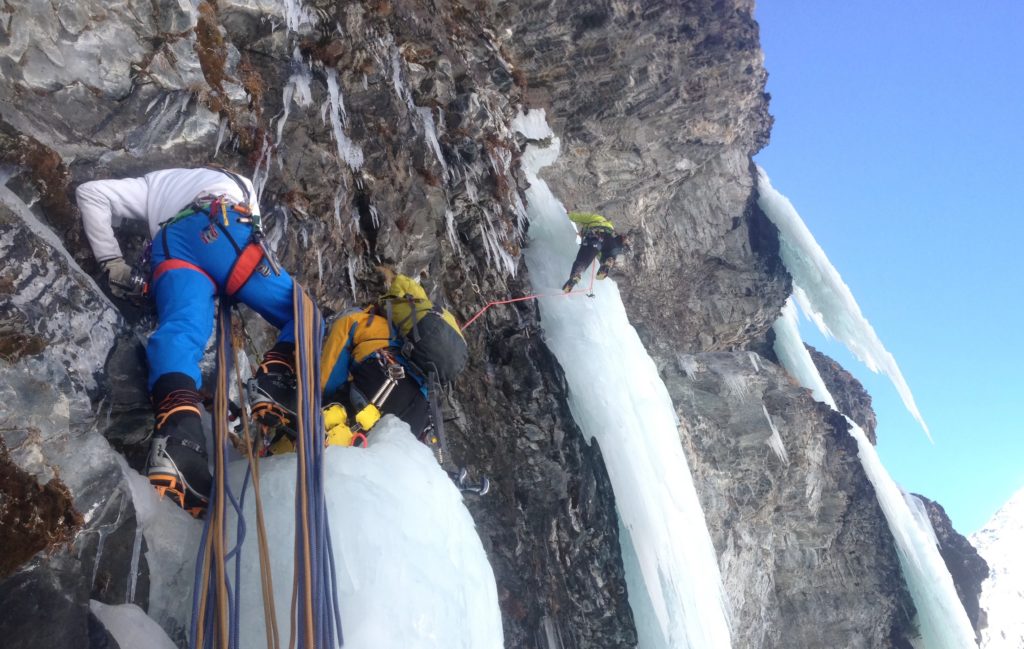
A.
x: 119, y: 277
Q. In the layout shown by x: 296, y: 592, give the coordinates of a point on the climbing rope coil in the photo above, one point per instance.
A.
x: 315, y: 615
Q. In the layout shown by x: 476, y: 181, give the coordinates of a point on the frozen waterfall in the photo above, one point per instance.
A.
x: 941, y: 617
x: 822, y: 294
x: 618, y: 398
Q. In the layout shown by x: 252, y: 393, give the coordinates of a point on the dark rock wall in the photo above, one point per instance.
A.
x: 379, y: 132
x: 967, y: 567
x: 849, y: 394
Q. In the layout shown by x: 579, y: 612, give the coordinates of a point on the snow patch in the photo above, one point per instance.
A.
x: 412, y: 571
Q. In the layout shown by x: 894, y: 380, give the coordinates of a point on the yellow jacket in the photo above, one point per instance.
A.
x: 591, y: 221
x: 353, y: 337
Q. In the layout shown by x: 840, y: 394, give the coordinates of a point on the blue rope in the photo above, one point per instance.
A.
x: 323, y: 586
x: 194, y: 630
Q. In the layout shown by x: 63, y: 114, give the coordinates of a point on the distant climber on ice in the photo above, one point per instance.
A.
x: 598, y: 240
x: 206, y: 242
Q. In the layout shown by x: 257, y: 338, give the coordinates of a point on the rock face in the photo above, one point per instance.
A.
x: 788, y: 514
x: 379, y: 132
x: 851, y: 397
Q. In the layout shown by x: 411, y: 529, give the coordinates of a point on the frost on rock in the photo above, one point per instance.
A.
x: 823, y: 295
x: 411, y: 569
x: 775, y: 440
x: 675, y: 588
x: 687, y: 365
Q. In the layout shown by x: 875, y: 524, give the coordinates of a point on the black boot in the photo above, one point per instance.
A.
x: 272, y: 393
x: 177, y: 457
x: 571, y: 284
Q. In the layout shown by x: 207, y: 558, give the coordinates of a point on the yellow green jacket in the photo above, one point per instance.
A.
x: 590, y: 221
x: 403, y: 295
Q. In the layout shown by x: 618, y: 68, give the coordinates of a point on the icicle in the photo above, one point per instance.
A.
x: 319, y: 267
x: 430, y: 134
x: 348, y: 151
x: 297, y: 16
x: 337, y: 207
x: 352, y: 278
x: 453, y: 237
x: 262, y: 171
x: 220, y: 135
x: 297, y: 89
x: 824, y: 296
x: 396, y: 79
x: 133, y: 572
x: 943, y: 621
x: 775, y: 440
x: 497, y: 256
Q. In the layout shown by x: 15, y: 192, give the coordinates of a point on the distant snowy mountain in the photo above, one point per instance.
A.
x: 1002, y: 595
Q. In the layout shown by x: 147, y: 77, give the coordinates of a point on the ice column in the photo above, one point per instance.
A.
x: 618, y: 398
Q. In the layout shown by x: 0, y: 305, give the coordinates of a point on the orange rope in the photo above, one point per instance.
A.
x: 266, y: 578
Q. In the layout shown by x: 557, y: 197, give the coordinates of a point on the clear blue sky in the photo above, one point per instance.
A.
x: 899, y: 136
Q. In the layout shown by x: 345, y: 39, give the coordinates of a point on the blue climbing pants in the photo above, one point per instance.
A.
x: 192, y: 260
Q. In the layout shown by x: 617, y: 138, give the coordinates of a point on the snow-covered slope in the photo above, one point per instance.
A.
x: 412, y: 571
x: 1002, y: 595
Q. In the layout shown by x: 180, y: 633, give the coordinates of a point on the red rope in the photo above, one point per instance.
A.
x: 590, y: 291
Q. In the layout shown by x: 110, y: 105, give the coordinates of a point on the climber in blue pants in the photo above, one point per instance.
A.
x: 202, y: 223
